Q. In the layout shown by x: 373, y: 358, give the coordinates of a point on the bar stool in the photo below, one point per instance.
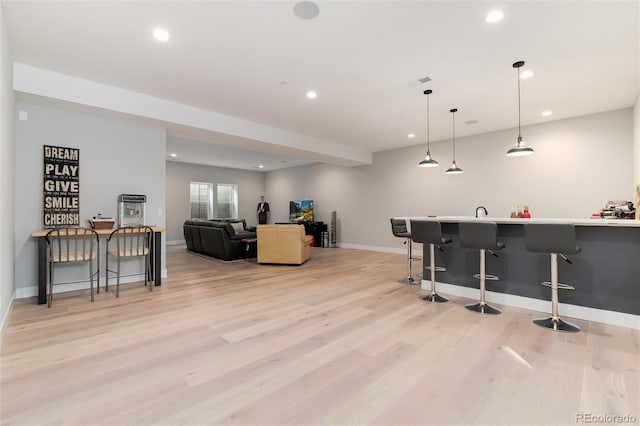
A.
x: 430, y: 232
x: 556, y: 240
x: 481, y: 236
x: 399, y: 229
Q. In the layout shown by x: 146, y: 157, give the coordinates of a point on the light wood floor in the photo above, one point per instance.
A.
x: 335, y: 341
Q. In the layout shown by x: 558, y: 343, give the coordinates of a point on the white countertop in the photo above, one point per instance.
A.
x: 506, y: 220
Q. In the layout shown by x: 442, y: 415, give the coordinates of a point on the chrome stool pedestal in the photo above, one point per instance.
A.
x: 554, y: 239
x: 399, y: 229
x: 481, y: 236
x: 430, y: 232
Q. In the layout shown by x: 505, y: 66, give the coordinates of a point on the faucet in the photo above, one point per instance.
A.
x: 481, y: 211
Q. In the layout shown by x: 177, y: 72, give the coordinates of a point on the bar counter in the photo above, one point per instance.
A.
x: 606, y: 274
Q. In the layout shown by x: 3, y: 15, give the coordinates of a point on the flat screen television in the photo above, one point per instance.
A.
x: 301, y: 211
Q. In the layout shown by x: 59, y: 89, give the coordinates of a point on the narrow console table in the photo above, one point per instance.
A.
x: 606, y: 274
x: 40, y: 235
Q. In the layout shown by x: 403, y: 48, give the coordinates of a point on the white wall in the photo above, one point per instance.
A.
x: 579, y: 164
x: 636, y: 141
x: 115, y: 157
x: 7, y: 148
x: 179, y: 175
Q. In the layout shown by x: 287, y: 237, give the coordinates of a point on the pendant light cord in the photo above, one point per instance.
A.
x: 518, y: 76
x: 454, y: 135
x: 428, y: 146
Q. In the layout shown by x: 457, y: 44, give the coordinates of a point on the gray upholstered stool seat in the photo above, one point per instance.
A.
x: 556, y: 240
x: 430, y: 232
x: 481, y: 236
x: 399, y: 229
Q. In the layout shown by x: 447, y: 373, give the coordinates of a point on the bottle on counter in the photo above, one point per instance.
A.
x: 526, y: 214
x: 514, y: 214
x: 519, y: 212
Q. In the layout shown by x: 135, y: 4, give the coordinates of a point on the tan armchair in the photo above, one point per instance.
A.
x: 286, y: 244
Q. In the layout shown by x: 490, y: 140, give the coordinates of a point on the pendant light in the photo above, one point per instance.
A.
x: 520, y: 150
x: 454, y: 169
x: 428, y: 161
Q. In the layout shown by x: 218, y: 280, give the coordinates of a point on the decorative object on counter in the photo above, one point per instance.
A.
x: 514, y: 212
x: 637, y: 201
x: 525, y: 213
x: 101, y: 222
x: 617, y: 209
x: 131, y: 209
x: 454, y: 169
x: 519, y: 212
x: 481, y: 211
x: 520, y: 150
x: 428, y: 161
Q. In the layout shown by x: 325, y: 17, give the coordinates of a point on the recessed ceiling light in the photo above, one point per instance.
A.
x: 173, y: 155
x: 161, y: 34
x: 546, y: 113
x: 311, y: 94
x: 261, y: 166
x: 494, y: 16
x: 411, y: 135
x: 306, y: 10
x: 526, y: 74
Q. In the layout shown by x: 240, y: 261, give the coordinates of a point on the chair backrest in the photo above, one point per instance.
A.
x: 72, y: 244
x: 551, y: 238
x: 478, y: 235
x: 132, y: 240
x: 399, y: 228
x: 426, y: 231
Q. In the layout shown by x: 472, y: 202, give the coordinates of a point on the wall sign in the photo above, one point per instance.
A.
x: 61, y: 186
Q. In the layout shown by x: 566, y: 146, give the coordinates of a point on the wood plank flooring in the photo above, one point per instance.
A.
x: 337, y: 340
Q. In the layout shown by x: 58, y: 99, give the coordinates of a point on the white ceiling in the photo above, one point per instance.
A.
x: 255, y: 60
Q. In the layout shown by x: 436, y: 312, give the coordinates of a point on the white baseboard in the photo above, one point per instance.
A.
x: 544, y: 306
x: 24, y: 292
x: 373, y: 248
x: 176, y: 243
x: 5, y: 318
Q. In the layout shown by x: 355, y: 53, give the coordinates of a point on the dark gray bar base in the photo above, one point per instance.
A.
x: 606, y: 274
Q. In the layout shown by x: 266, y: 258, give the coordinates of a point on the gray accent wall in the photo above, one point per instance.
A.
x: 179, y: 175
x: 7, y: 169
x: 579, y: 164
x: 116, y: 156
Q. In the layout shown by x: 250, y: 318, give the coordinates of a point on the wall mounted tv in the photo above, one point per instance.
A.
x: 301, y: 211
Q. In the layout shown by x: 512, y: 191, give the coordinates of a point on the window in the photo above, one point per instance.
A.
x: 227, y: 201
x: 201, y: 200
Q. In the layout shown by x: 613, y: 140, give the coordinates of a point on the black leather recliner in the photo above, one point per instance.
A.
x: 217, y: 238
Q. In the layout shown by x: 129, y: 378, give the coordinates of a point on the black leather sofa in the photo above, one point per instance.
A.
x: 217, y: 237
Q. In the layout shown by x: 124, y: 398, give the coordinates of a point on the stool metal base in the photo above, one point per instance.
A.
x: 434, y: 297
x: 561, y: 286
x: 436, y: 268
x: 483, y: 308
x: 556, y: 324
x: 410, y: 281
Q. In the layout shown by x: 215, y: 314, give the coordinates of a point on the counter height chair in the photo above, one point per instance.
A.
x: 128, y: 242
x: 399, y: 229
x: 481, y: 236
x: 556, y: 240
x: 67, y: 245
x: 430, y: 232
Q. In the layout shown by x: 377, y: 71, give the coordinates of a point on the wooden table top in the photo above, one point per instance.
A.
x: 43, y: 232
